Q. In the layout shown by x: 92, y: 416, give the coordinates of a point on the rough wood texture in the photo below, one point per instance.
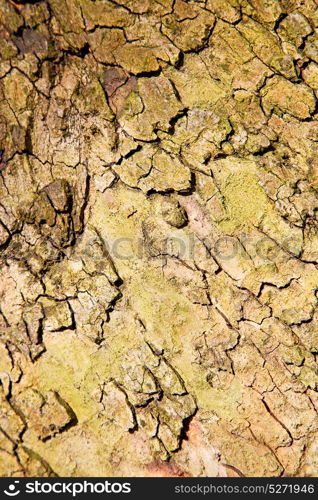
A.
x: 158, y: 231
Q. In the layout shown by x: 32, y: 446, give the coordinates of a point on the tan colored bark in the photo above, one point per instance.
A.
x: 158, y: 231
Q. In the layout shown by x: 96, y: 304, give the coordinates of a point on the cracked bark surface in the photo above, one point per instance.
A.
x: 158, y: 232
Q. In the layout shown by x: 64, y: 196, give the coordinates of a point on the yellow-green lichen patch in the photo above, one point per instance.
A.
x: 245, y: 201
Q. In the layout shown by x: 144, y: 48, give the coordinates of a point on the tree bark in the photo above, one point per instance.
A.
x: 158, y: 232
